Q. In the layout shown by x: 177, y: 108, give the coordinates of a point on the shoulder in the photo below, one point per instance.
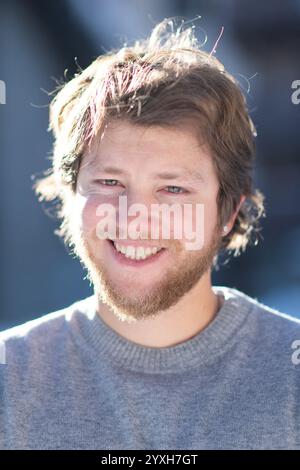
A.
x: 269, y: 331
x: 258, y: 310
x: 41, y: 336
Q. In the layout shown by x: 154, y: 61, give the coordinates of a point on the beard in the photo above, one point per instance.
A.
x: 175, y: 282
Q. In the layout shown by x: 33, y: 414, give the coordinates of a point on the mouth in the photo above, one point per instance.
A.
x: 135, y: 257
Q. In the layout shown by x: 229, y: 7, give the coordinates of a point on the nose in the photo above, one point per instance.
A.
x: 135, y: 213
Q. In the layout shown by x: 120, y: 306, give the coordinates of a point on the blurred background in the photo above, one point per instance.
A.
x: 40, y: 40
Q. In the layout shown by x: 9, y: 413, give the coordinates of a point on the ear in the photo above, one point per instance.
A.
x: 230, y: 222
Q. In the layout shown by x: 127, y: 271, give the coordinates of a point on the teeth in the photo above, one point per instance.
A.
x: 140, y: 253
x: 136, y: 253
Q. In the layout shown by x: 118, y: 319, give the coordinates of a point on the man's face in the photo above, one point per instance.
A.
x: 143, y: 159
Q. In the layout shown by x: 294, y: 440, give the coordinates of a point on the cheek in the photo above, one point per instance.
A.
x: 204, y: 221
x: 201, y: 221
x: 210, y: 218
x: 85, y: 212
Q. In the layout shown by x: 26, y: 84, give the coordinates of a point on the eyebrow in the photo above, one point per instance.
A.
x: 192, y: 174
x: 185, y: 173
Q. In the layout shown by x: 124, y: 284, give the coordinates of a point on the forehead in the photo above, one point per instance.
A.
x: 123, y: 139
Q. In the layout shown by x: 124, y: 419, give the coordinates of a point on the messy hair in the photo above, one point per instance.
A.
x: 166, y: 80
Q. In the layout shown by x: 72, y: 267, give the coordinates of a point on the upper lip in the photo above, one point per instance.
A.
x: 136, y: 243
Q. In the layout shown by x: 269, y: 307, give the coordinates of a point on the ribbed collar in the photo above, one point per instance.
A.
x: 107, y: 344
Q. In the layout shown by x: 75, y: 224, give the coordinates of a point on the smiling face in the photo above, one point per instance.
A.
x: 149, y: 166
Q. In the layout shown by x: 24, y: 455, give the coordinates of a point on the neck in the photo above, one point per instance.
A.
x: 181, y: 322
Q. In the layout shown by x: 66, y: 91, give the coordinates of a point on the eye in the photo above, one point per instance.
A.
x: 176, y: 190
x: 107, y: 182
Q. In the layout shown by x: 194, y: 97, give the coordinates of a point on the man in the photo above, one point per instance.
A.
x: 157, y: 358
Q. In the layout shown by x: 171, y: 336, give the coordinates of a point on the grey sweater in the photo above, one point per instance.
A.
x: 72, y: 382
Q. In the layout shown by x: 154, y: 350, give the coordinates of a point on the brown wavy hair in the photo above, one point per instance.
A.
x: 166, y: 80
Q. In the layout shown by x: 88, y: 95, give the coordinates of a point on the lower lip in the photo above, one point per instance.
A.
x: 121, y: 259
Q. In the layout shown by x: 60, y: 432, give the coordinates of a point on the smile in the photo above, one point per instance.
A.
x: 136, y: 255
